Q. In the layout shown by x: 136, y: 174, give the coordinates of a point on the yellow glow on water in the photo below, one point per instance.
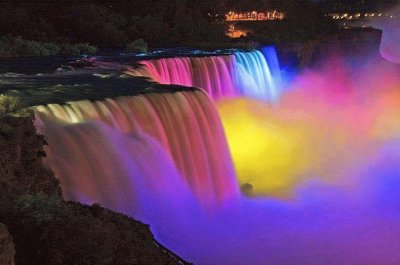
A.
x: 269, y: 152
x: 275, y: 149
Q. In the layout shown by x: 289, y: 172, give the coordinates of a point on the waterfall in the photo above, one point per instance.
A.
x: 104, y: 151
x: 331, y: 145
x: 250, y: 74
x: 255, y: 76
x: 214, y: 74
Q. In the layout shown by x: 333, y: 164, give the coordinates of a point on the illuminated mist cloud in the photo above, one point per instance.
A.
x: 318, y: 167
x: 330, y: 150
x: 330, y: 120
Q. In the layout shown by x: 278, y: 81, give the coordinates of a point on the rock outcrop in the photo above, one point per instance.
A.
x: 356, y: 44
x: 48, y: 230
x: 7, y: 249
x: 21, y: 153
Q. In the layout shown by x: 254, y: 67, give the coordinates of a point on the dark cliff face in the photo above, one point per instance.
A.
x: 21, y: 153
x: 47, y: 230
x: 7, y: 250
x: 355, y: 44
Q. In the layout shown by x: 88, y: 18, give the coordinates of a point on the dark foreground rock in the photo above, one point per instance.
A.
x: 21, y: 153
x: 7, y: 250
x: 47, y: 230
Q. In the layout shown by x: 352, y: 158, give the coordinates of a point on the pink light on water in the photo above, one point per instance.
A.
x: 242, y: 74
x: 184, y: 124
x: 322, y: 163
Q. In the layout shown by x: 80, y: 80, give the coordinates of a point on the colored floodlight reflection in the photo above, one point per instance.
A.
x: 251, y: 74
x: 268, y: 152
x: 321, y: 166
x: 330, y: 120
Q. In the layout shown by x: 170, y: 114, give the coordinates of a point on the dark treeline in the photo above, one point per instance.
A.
x: 112, y: 23
x: 115, y: 23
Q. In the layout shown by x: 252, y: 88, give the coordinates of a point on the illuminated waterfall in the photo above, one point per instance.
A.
x: 269, y: 53
x: 115, y: 143
x: 326, y: 157
x: 214, y: 74
x: 255, y: 77
x: 249, y: 74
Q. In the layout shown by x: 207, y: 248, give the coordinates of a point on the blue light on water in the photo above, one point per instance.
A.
x: 258, y: 74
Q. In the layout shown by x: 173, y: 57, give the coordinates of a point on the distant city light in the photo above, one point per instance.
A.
x: 276, y: 15
x: 356, y: 16
x: 254, y: 15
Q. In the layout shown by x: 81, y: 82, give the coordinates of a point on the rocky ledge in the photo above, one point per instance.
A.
x: 43, y: 227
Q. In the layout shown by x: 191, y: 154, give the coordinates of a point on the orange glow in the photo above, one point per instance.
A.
x: 254, y: 15
x: 235, y: 32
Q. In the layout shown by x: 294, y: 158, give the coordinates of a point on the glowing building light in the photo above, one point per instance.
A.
x: 254, y: 15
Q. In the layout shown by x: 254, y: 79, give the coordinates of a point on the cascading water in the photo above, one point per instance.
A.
x: 255, y: 77
x: 214, y: 74
x: 269, y: 53
x: 184, y: 124
x: 97, y: 164
x: 249, y: 74
x: 330, y: 144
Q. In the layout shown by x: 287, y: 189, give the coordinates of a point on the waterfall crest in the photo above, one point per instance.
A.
x: 251, y: 74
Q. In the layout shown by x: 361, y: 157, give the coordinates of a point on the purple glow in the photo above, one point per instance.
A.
x: 163, y: 158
